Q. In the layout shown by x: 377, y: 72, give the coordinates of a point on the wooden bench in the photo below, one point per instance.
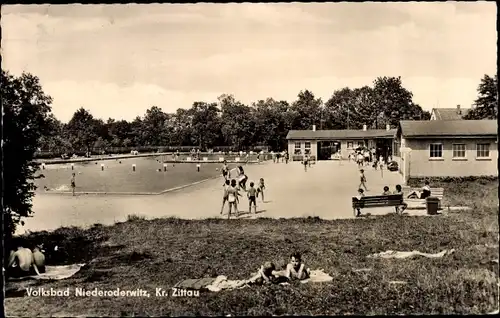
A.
x: 376, y: 201
x: 421, y: 203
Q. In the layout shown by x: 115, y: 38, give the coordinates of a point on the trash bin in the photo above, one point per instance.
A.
x: 432, y: 205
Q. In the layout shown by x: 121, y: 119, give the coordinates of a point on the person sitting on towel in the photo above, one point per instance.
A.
x: 296, y: 268
x: 21, y: 263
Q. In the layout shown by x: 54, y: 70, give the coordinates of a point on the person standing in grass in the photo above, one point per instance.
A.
x: 362, y: 179
x: 252, y: 194
x: 73, y: 183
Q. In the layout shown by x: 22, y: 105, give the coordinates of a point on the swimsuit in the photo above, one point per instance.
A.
x: 251, y: 199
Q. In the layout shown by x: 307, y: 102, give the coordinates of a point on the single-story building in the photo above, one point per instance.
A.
x: 449, y: 113
x: 321, y: 144
x: 455, y: 148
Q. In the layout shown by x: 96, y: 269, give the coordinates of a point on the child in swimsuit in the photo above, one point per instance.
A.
x: 232, y: 198
x: 225, y: 170
x: 73, y: 183
x: 252, y: 193
x: 264, y: 275
x: 296, y: 268
x: 261, y: 188
x: 226, y: 185
x: 362, y: 179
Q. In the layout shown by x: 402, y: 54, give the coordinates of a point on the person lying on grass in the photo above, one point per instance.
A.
x: 296, y: 269
x: 264, y: 275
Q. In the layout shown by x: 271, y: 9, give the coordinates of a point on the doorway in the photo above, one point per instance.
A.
x: 327, y: 148
x: 384, y: 148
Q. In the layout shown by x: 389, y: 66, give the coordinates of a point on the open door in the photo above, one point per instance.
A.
x: 327, y: 148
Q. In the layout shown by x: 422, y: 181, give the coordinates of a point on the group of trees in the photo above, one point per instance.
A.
x: 29, y: 126
x: 229, y: 122
x: 486, y: 104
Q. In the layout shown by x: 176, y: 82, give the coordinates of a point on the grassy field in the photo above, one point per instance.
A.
x: 119, y: 177
x: 158, y: 253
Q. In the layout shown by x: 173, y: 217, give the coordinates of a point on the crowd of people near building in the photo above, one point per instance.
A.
x: 364, y: 156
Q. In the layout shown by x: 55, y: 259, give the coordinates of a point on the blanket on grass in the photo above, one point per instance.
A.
x: 221, y: 282
x: 54, y: 272
x: 396, y: 254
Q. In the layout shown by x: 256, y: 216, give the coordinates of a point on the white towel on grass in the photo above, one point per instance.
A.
x: 317, y: 276
x: 221, y: 283
x: 55, y: 272
x: 396, y: 254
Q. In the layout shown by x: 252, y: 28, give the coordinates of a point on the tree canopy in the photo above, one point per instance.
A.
x: 26, y: 120
x: 486, y: 104
x: 228, y: 122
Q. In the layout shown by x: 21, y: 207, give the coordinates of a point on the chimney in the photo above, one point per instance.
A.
x: 387, y: 127
x: 364, y: 127
x: 458, y: 110
x: 314, y: 127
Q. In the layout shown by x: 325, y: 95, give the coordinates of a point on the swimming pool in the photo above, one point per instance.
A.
x: 118, y: 176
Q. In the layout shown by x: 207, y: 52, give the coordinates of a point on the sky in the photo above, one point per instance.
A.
x: 119, y: 60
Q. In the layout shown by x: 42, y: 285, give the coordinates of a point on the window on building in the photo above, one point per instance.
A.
x: 350, y: 145
x: 307, y: 147
x: 361, y: 144
x: 298, y: 145
x: 483, y: 150
x: 436, y: 151
x: 458, y: 150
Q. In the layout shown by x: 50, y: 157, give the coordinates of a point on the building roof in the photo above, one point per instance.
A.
x: 450, y: 113
x: 450, y: 128
x: 340, y: 134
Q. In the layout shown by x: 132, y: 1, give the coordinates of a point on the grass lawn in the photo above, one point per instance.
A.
x: 149, y: 254
x: 119, y: 177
